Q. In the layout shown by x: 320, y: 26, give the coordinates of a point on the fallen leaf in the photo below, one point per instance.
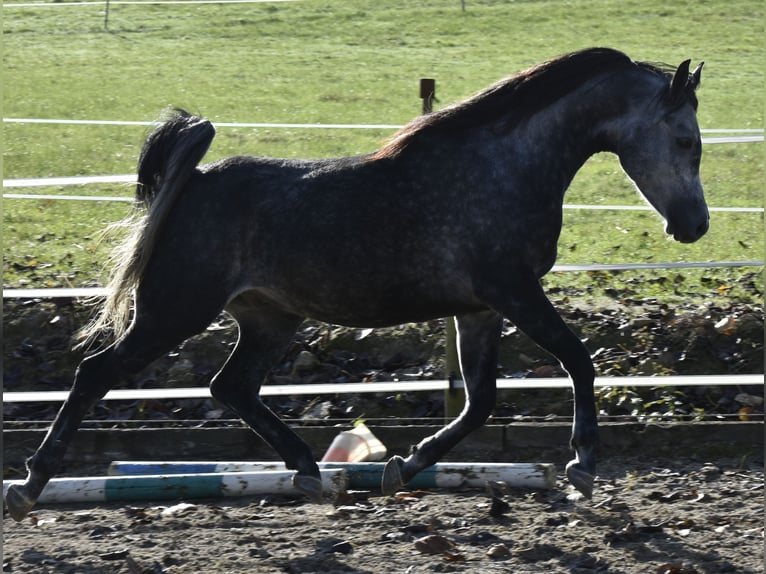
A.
x: 665, y: 497
x: 410, y: 495
x: 454, y: 557
x: 434, y: 544
x: 115, y: 555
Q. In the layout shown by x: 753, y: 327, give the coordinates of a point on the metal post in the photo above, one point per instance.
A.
x: 427, y: 94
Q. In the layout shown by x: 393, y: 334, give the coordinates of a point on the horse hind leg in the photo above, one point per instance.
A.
x: 264, y: 333
x: 478, y: 342
x: 92, y: 380
x: 144, y: 342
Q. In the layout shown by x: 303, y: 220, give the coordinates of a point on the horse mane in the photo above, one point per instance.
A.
x: 518, y: 97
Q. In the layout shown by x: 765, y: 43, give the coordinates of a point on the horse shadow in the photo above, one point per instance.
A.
x: 323, y: 559
x: 649, y: 543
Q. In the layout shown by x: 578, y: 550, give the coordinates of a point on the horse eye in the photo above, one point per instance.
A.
x: 685, y: 143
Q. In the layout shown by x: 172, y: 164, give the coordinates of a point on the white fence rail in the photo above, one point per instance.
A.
x: 64, y: 181
x: 396, y: 387
x: 87, y: 292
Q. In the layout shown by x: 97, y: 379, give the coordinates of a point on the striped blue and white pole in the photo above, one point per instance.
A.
x: 179, y: 486
x: 368, y: 475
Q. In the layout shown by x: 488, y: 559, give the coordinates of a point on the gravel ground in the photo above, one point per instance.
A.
x: 670, y: 517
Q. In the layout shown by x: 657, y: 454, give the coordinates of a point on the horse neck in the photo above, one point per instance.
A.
x: 557, y: 141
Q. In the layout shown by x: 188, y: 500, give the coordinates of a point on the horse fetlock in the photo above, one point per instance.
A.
x: 18, y: 501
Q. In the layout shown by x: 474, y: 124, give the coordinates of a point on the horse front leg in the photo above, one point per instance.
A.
x: 478, y: 341
x: 531, y: 311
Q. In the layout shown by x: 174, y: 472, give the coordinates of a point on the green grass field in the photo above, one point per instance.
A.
x: 355, y: 61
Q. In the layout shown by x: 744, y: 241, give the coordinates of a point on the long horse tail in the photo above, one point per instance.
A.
x: 168, y: 159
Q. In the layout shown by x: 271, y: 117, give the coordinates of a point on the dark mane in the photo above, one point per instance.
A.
x: 517, y: 97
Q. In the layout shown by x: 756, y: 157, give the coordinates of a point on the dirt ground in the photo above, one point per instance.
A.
x: 664, y: 517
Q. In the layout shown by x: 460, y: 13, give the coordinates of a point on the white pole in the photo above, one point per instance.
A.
x: 179, y: 486
x: 363, y: 475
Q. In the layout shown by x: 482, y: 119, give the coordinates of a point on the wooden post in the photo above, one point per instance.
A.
x: 454, y: 398
x: 106, y: 16
x: 427, y: 94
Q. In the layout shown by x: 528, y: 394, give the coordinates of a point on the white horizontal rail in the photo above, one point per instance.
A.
x: 396, y: 387
x: 63, y: 181
x: 268, y: 125
x: 137, y: 2
x: 732, y: 135
x: 131, y: 179
x: 47, y: 197
x: 69, y: 180
x: 732, y: 139
x: 287, y: 125
x: 85, y: 292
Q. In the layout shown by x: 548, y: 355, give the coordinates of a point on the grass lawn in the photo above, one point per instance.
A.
x: 354, y: 61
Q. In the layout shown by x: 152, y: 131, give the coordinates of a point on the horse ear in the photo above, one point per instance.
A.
x: 680, y: 79
x: 697, y: 75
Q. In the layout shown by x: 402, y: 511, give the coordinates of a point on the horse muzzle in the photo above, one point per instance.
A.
x: 687, y: 223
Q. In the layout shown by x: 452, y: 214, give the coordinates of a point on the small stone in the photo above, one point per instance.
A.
x: 498, y: 551
x: 434, y: 544
x: 100, y: 531
x: 710, y: 472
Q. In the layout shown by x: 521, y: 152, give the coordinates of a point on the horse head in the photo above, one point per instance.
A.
x: 660, y: 150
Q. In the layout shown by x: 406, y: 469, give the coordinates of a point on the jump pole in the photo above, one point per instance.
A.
x: 179, y: 486
x: 368, y: 475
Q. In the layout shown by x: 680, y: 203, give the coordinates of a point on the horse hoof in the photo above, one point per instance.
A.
x: 18, y: 502
x: 392, y: 476
x: 582, y: 480
x: 308, y: 485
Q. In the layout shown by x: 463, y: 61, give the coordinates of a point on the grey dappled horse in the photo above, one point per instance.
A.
x: 457, y: 215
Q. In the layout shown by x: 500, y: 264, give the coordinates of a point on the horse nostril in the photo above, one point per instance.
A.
x: 703, y: 227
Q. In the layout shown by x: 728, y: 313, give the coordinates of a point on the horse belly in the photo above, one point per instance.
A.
x: 365, y: 301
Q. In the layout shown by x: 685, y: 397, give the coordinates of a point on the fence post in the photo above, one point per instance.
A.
x: 454, y: 398
x: 427, y: 94
x: 106, y: 16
